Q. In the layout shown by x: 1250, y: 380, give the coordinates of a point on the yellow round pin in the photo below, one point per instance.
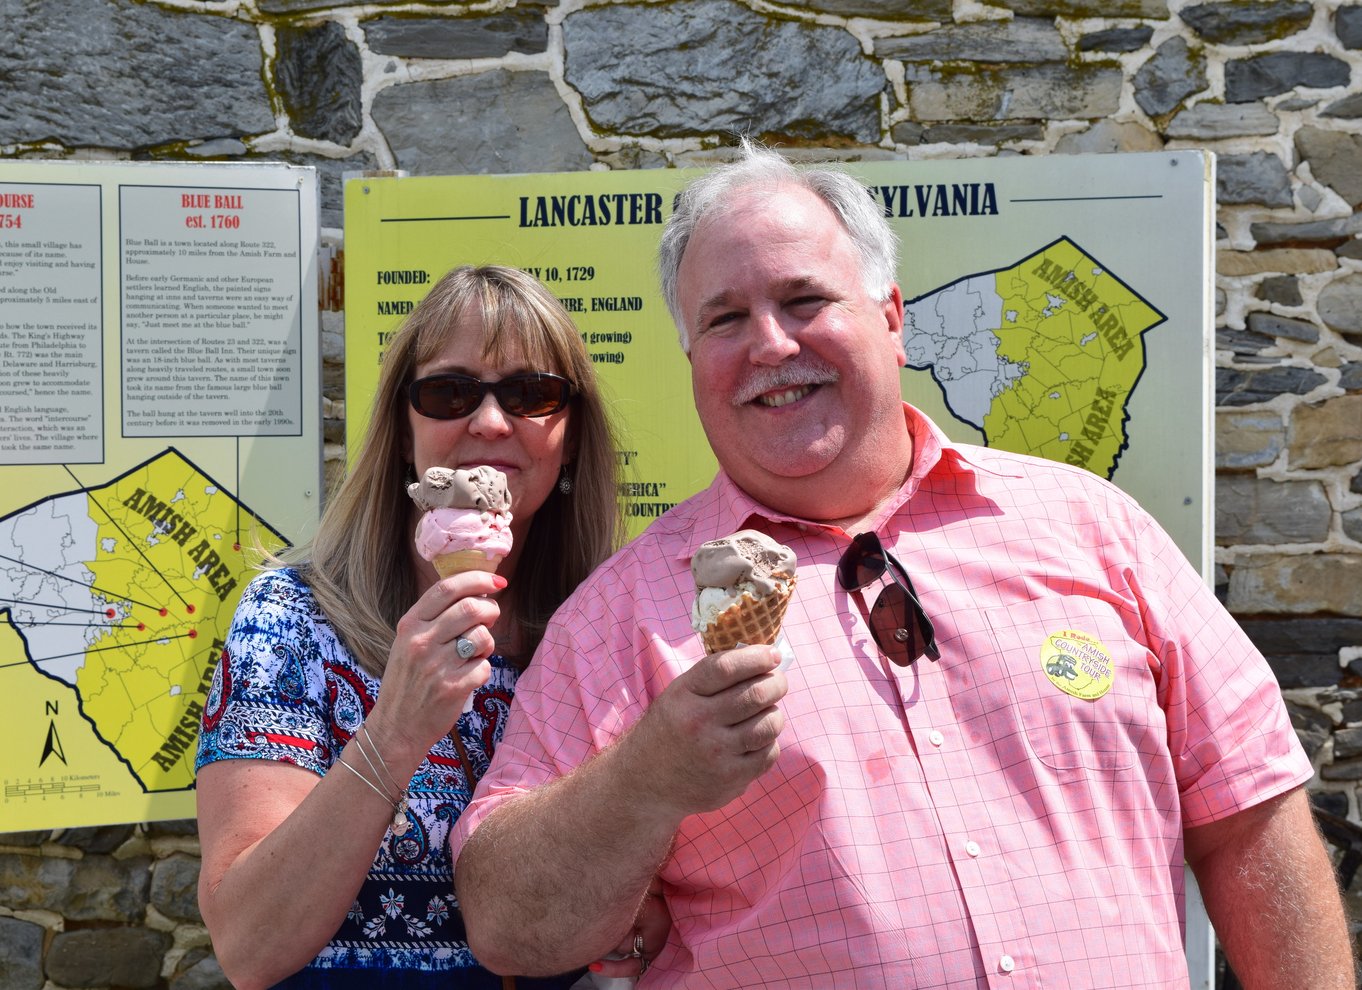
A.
x: 1077, y: 664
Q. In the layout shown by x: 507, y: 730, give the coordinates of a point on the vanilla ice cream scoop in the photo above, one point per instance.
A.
x: 743, y: 585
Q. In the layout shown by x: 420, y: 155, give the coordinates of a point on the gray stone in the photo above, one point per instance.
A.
x: 1284, y: 327
x: 495, y: 122
x: 520, y: 29
x: 1297, y: 584
x: 908, y: 132
x: 101, y: 957
x: 1350, y: 249
x: 106, y: 75
x: 330, y: 178
x: 1258, y: 510
x: 1213, y: 121
x: 1152, y: 9
x: 217, y: 148
x: 1347, y: 743
x: 1173, y: 73
x: 1303, y: 636
x: 880, y: 10
x: 21, y: 955
x: 1350, y: 377
x: 1339, y: 304
x: 1342, y: 770
x: 1243, y: 388
x: 1352, y: 524
x: 1108, y: 137
x: 1244, y: 344
x: 1249, y: 79
x: 1116, y: 39
x: 1284, y: 290
x: 1355, y: 486
x: 204, y: 974
x: 1040, y: 92
x: 994, y: 134
x: 174, y: 826
x: 95, y: 888
x: 174, y: 887
x: 1257, y: 177
x: 1335, y: 159
x: 319, y: 75
x: 1247, y: 23
x: 1304, y: 670
x: 1313, y: 728
x: 714, y: 67
x: 24, y: 838
x: 1023, y: 39
x: 1349, y: 108
x: 1221, y: 301
x: 1329, y: 233
x: 1348, y: 25
x: 1334, y: 802
x: 95, y: 839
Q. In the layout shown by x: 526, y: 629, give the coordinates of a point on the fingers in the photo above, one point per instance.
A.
x: 720, y: 671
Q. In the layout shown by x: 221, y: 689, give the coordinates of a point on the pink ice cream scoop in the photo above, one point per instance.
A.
x: 466, y: 525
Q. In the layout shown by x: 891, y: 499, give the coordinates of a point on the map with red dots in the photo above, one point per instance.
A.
x: 125, y: 592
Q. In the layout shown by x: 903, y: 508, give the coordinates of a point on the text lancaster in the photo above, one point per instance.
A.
x: 602, y: 210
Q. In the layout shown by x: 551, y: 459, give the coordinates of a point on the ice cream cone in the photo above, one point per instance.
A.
x: 749, y: 621
x: 464, y: 560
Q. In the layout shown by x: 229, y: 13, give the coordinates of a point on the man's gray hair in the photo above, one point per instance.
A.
x: 847, y: 197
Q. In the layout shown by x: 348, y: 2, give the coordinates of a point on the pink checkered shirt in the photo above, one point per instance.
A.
x: 964, y: 823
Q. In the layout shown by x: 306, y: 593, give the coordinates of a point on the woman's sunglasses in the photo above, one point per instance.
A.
x: 898, y: 623
x: 451, y: 396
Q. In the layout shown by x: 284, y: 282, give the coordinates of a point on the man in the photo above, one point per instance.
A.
x: 995, y: 789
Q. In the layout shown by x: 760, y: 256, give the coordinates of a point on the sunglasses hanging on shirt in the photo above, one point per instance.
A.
x: 901, y: 628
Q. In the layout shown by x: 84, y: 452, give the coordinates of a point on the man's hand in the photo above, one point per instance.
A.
x: 712, y: 731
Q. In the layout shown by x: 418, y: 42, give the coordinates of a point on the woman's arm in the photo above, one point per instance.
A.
x: 286, y: 851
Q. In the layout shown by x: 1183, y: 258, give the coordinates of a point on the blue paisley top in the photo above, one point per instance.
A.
x: 287, y: 689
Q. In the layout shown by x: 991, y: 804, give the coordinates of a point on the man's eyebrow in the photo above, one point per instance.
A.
x: 721, y: 299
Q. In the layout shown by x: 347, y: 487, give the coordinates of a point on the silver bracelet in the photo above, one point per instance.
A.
x: 399, y: 806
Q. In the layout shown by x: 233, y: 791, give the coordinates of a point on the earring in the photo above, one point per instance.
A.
x: 564, y: 482
x: 411, y: 476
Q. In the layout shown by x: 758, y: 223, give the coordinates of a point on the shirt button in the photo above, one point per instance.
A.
x: 936, y: 738
x: 973, y: 849
x: 1006, y: 964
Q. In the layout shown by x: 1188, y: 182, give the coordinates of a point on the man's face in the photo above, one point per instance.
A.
x: 794, y: 366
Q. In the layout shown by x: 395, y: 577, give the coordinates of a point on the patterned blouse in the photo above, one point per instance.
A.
x: 287, y: 689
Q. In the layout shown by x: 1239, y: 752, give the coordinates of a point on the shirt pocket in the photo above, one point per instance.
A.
x: 1068, y: 681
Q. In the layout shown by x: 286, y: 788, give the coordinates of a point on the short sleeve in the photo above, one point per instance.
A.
x: 269, y: 697
x: 1229, y: 733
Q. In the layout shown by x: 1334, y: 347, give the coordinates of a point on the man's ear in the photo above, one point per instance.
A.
x: 893, y: 314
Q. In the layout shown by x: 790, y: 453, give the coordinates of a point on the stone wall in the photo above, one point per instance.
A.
x: 1274, y: 88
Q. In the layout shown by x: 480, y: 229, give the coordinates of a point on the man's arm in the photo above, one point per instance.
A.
x: 553, y: 879
x: 1271, y: 894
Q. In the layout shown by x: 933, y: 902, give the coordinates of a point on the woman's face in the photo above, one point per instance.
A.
x: 529, y: 451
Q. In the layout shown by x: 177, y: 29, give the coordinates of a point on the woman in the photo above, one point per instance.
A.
x: 347, y: 652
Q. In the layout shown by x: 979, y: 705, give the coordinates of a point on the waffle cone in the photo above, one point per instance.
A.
x: 464, y: 560
x: 749, y: 621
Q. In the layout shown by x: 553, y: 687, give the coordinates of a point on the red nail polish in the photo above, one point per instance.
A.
x: 595, y: 967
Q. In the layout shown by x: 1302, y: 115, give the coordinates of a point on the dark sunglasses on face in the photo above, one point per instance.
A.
x: 900, y: 626
x: 452, y: 396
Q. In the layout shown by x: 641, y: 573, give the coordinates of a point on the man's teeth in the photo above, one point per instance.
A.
x: 773, y: 400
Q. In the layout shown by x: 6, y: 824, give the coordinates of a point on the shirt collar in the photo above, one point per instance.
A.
x: 934, y: 453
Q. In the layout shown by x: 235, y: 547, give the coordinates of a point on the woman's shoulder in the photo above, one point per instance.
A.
x: 279, y: 587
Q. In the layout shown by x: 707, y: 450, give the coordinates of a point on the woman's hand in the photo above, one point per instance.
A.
x: 651, y: 929
x: 426, y: 682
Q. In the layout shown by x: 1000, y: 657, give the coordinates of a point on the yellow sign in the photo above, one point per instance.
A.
x: 160, y: 386
x: 1035, y: 322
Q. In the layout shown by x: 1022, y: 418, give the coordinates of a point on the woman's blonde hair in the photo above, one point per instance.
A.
x: 359, y: 564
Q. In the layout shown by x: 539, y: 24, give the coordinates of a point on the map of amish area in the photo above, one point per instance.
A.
x: 1041, y: 357
x: 124, y: 593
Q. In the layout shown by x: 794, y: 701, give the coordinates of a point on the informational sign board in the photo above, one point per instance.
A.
x: 159, y: 386
x: 1058, y: 306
